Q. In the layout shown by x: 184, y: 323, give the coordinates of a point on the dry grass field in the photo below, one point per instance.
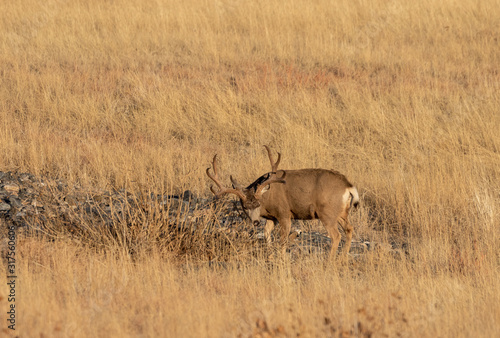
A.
x: 402, y: 97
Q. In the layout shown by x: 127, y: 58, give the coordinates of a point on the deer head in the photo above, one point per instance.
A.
x: 250, y: 196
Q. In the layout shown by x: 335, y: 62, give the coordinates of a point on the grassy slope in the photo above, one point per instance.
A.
x: 402, y: 98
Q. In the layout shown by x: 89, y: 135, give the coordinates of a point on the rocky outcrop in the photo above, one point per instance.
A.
x: 33, y: 203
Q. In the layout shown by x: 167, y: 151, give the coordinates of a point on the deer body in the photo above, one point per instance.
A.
x: 302, y: 194
x: 308, y: 194
x: 305, y: 195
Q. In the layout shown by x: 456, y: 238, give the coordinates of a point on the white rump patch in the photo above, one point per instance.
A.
x: 346, y: 198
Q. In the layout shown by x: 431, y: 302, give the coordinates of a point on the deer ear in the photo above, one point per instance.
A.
x: 267, y: 187
x: 235, y: 183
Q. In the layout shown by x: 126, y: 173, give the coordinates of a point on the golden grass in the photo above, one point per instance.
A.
x: 68, y: 290
x: 402, y: 98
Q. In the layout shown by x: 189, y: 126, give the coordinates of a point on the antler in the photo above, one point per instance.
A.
x: 274, y: 165
x: 222, y: 190
x: 272, y: 178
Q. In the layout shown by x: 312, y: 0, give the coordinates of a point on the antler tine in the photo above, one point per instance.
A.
x: 222, y: 190
x: 216, y: 177
x: 274, y: 165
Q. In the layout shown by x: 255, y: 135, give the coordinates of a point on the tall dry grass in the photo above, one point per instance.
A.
x: 67, y: 290
x: 402, y: 98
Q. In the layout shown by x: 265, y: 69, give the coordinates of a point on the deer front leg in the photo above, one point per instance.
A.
x: 285, y: 227
x: 348, y: 229
x: 268, y: 228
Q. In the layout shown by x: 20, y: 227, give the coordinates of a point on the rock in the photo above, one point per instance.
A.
x: 12, y: 188
x: 21, y: 214
x: 26, y: 177
x: 188, y: 196
x: 4, y: 206
x: 15, y: 202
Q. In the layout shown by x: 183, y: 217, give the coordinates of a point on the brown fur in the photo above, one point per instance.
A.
x: 304, y: 194
x: 310, y: 194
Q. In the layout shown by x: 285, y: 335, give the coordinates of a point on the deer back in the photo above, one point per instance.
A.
x: 305, y: 191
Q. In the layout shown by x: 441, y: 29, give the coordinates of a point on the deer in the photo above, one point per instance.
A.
x: 303, y: 194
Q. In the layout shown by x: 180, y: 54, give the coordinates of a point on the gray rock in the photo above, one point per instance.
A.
x: 12, y: 188
x: 4, y: 206
x: 21, y: 214
x: 188, y: 196
x: 15, y: 202
x: 26, y: 177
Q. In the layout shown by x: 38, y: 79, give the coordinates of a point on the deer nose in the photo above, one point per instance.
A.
x: 256, y: 223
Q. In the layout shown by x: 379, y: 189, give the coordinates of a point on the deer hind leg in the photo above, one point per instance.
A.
x: 343, y: 220
x: 348, y: 229
x: 329, y: 219
x: 333, y: 231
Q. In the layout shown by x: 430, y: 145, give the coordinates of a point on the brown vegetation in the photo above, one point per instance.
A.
x: 401, y: 97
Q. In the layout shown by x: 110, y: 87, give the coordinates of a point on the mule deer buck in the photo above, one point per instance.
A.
x: 303, y: 194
